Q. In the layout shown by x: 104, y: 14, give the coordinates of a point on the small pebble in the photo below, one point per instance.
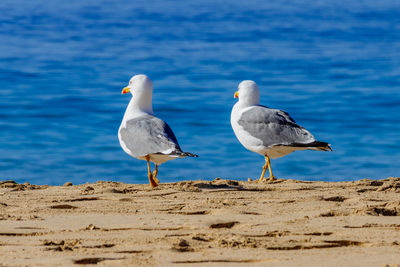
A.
x: 68, y: 184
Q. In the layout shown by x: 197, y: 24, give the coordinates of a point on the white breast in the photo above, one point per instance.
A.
x: 248, y: 141
x: 121, y: 142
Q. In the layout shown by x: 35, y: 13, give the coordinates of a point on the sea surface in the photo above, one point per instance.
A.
x: 333, y: 65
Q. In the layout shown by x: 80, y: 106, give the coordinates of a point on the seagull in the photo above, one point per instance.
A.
x: 144, y: 136
x: 268, y: 132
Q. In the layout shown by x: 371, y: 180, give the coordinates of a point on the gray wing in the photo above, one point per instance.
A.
x: 149, y: 135
x: 274, y: 127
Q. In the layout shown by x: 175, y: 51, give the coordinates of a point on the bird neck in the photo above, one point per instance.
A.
x: 139, y: 106
x: 247, y: 103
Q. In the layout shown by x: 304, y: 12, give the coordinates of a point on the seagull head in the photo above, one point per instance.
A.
x: 248, y: 93
x: 141, y: 88
x: 139, y: 84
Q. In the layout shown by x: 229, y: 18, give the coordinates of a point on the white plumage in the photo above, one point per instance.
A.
x: 268, y: 132
x: 144, y: 136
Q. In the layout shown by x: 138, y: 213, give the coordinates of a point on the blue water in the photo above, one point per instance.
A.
x: 334, y: 66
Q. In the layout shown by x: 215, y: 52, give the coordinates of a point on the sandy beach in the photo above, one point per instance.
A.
x: 202, y: 223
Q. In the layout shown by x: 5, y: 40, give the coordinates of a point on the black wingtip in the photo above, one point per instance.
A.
x: 188, y: 154
x: 323, y: 146
x: 328, y: 148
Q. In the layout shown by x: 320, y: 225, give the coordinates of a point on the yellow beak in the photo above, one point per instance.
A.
x: 125, y: 90
x: 236, y: 95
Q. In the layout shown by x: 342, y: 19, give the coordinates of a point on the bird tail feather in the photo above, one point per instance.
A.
x: 188, y: 154
x: 316, y: 145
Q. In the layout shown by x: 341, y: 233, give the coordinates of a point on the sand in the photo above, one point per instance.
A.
x: 202, y: 223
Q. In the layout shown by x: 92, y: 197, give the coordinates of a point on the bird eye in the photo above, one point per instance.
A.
x: 130, y: 82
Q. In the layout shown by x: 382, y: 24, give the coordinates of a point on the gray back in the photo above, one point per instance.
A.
x: 273, y: 127
x: 148, y: 135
